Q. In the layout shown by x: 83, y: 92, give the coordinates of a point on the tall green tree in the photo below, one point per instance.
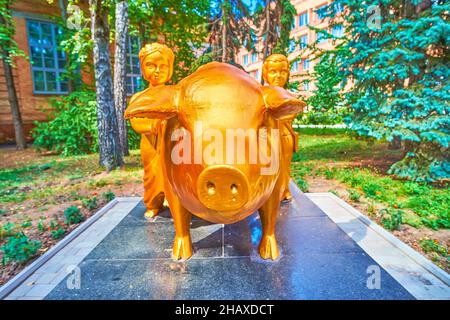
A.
x: 180, y: 24
x: 229, y: 29
x: 326, y: 99
x: 9, y: 50
x: 396, y: 55
x: 274, y: 19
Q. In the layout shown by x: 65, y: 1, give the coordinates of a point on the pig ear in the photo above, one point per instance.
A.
x: 154, y: 103
x: 280, y: 103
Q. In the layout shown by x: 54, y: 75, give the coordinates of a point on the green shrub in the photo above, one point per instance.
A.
x: 391, y: 219
x: 73, y: 215
x: 19, y: 248
x: 90, y: 204
x: 108, y: 195
x: 7, y: 230
x: 354, y: 195
x: 72, y: 126
x: 41, y: 225
x: 429, y: 245
x: 57, y: 233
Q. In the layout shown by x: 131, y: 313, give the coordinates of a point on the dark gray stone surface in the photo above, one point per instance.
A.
x: 318, y: 261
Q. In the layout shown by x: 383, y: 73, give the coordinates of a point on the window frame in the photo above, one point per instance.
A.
x: 302, y: 44
x: 54, y: 48
x: 130, y: 75
x: 305, y: 14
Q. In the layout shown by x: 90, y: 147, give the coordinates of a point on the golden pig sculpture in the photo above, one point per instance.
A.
x: 205, y: 114
x: 275, y: 72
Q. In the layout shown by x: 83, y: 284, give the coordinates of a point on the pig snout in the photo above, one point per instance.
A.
x: 222, y: 188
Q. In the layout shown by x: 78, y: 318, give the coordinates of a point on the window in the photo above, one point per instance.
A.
x: 337, y: 30
x: 245, y: 59
x: 294, y: 66
x: 291, y: 46
x: 321, y: 12
x: 306, y: 64
x: 254, y: 57
x: 47, y: 62
x: 305, y: 86
x: 321, y: 37
x: 303, y: 41
x: 133, y: 70
x: 303, y: 19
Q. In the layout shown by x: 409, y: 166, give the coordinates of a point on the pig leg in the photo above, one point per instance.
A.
x: 182, y: 246
x: 268, y: 248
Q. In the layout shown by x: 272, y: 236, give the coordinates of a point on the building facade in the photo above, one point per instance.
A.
x: 309, y: 12
x: 39, y: 78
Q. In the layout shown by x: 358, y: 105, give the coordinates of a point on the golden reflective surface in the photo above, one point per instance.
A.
x: 202, y: 122
x: 276, y: 73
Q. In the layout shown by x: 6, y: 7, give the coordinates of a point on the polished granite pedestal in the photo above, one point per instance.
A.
x: 318, y: 261
x: 328, y: 250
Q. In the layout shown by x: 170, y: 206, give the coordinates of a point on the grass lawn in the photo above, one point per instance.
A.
x: 43, y: 197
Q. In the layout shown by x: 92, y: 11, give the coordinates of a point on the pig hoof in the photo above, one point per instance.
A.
x: 287, y: 196
x: 151, y: 213
x: 182, y: 248
x: 268, y: 248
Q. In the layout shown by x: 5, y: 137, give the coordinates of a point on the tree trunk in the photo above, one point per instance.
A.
x: 120, y: 94
x: 108, y: 134
x: 395, y: 144
x: 14, y: 103
x: 224, y: 37
x: 266, y: 42
x: 12, y: 98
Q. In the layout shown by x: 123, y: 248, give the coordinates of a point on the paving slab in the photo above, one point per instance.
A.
x: 326, y: 253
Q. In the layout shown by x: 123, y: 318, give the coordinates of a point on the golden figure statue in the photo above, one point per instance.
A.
x: 156, y: 62
x: 275, y: 72
x: 204, y: 116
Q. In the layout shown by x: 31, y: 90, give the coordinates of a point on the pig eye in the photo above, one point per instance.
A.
x: 211, y: 187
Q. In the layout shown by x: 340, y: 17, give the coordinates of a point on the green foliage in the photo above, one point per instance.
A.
x: 8, y: 46
x: 73, y: 215
x: 7, y: 230
x: 90, y: 204
x: 19, y: 248
x: 180, y: 24
x: 108, y: 196
x: 57, y: 233
x: 41, y: 225
x: 73, y: 126
x: 429, y: 245
x: 400, y: 78
x: 354, y: 195
x: 391, y: 219
x: 326, y: 99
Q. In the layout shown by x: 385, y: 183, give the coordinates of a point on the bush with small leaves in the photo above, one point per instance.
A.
x: 73, y: 215
x: 354, y: 195
x: 19, y: 248
x: 391, y: 219
x: 90, y: 204
x: 108, y: 195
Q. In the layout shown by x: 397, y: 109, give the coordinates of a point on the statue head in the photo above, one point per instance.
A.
x: 156, y: 61
x: 275, y: 70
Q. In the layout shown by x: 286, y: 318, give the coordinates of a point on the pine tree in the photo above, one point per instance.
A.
x: 229, y: 29
x: 326, y: 98
x: 396, y: 55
